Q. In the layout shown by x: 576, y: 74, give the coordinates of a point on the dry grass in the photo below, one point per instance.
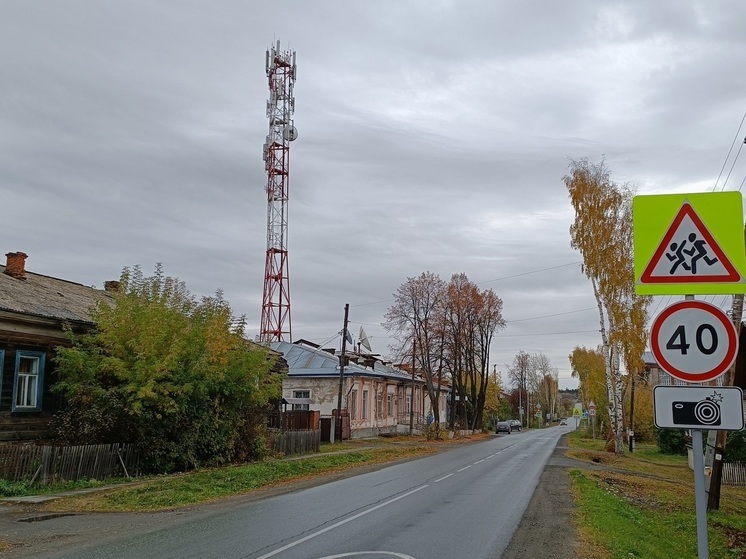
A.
x: 202, y: 486
x: 642, y: 505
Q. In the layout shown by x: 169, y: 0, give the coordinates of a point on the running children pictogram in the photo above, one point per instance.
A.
x: 689, y: 253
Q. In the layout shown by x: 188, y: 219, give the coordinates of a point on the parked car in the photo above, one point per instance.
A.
x: 563, y: 421
x: 515, y: 425
x: 503, y: 427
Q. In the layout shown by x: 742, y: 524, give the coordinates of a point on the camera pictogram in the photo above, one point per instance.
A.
x: 706, y: 412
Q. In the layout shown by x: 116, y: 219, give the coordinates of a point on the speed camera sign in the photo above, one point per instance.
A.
x: 693, y: 341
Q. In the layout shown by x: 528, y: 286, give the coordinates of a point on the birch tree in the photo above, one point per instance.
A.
x: 589, y: 367
x: 602, y: 232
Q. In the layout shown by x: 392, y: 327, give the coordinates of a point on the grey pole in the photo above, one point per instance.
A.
x: 700, y: 494
x: 338, y: 422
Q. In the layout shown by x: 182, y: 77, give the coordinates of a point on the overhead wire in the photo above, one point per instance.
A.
x: 665, y: 301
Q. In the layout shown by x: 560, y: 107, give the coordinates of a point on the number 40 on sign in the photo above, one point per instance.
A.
x: 694, y: 341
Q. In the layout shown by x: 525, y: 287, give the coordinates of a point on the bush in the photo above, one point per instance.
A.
x: 172, y: 374
x: 735, y: 447
x: 671, y: 441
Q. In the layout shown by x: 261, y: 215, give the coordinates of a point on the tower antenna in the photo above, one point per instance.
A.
x: 281, y: 72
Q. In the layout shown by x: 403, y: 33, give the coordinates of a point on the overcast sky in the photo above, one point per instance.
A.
x: 433, y: 136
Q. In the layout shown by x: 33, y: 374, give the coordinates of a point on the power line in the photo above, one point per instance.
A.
x: 733, y: 165
x: 738, y: 132
x: 546, y: 334
x: 529, y: 273
x: 550, y: 315
x: 486, y: 281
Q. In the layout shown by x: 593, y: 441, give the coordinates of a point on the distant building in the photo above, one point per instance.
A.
x: 377, y: 398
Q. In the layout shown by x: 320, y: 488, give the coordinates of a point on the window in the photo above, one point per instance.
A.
x: 352, y: 404
x: 409, y: 404
x: 390, y: 405
x: 365, y: 404
x: 301, y: 394
x: 379, y: 404
x: 28, y: 380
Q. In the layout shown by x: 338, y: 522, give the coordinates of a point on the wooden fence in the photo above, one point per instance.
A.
x: 734, y: 473
x: 295, y: 442
x: 48, y: 464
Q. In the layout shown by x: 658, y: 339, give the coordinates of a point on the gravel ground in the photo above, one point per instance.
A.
x: 546, y: 529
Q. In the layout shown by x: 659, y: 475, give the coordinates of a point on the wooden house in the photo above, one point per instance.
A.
x: 34, y: 310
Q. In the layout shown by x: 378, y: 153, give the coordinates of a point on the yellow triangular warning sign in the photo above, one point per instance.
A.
x: 689, y: 253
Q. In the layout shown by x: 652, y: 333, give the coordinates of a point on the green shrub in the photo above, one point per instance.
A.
x: 671, y: 441
x: 172, y: 374
x: 735, y: 447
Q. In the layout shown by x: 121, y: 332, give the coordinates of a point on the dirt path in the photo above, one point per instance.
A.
x: 546, y: 529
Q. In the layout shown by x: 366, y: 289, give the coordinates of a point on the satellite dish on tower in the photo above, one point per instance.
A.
x: 290, y: 133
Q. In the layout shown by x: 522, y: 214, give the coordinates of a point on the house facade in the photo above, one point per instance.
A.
x: 34, y: 310
x: 378, y: 398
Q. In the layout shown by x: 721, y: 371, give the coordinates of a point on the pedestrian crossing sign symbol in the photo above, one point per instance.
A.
x: 689, y: 244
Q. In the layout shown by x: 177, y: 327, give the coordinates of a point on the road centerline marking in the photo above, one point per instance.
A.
x: 340, y: 523
x: 442, y: 478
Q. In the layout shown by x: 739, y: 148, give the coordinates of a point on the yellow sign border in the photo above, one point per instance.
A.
x: 721, y: 213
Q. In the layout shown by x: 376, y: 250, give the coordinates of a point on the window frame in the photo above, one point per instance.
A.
x: 40, y: 356
x: 301, y: 394
x: 352, y: 404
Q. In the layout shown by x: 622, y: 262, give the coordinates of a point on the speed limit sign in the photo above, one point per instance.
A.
x: 693, y: 341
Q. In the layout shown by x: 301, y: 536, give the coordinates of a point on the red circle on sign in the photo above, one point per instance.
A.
x: 704, y: 314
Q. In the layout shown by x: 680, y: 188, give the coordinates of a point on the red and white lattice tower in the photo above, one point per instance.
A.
x: 281, y: 71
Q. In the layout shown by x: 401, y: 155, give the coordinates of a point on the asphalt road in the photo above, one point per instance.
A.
x: 466, y: 502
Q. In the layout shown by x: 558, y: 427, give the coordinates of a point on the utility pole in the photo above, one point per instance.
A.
x: 716, y: 474
x: 632, y: 416
x: 411, y: 401
x: 338, y: 423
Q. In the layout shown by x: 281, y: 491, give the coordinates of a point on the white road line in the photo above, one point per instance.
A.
x: 340, y: 523
x: 442, y: 478
x: 464, y: 468
x: 479, y: 461
x: 354, y: 553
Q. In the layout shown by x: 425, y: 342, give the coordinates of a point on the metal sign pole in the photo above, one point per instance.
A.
x: 700, y: 494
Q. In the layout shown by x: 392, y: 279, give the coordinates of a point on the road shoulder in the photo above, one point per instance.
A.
x: 546, y: 528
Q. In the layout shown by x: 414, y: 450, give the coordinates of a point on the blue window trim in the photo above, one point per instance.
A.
x: 39, y: 381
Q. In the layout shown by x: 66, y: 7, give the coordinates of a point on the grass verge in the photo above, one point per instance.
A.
x: 642, y: 505
x: 202, y: 486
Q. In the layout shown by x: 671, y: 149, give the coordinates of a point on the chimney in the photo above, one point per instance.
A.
x: 111, y: 286
x: 15, y: 266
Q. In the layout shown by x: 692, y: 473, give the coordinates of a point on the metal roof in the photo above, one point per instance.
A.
x: 306, y: 361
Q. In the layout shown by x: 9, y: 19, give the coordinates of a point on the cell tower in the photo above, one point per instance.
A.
x: 281, y: 71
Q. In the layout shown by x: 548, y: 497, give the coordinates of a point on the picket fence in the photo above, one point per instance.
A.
x: 295, y: 442
x: 44, y: 464
x: 734, y: 473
